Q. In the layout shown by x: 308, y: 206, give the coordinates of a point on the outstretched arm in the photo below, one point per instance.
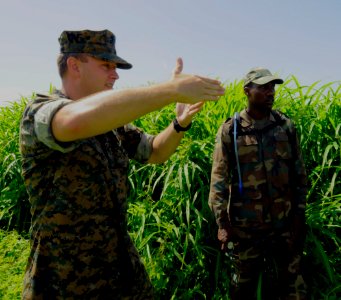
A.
x: 104, y: 111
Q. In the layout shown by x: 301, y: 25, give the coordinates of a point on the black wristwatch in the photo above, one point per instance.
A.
x: 179, y: 128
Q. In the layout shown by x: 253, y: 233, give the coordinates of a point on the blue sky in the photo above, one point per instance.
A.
x: 218, y: 38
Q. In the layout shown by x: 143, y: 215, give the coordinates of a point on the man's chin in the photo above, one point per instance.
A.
x: 266, y: 109
x: 269, y: 105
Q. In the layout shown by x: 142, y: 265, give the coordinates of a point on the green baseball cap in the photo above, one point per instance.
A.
x: 99, y: 44
x: 260, y: 76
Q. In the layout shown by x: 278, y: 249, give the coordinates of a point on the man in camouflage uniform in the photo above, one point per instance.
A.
x: 258, y: 196
x: 76, y: 145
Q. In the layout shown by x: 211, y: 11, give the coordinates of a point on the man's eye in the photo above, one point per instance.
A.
x: 265, y: 88
x: 108, y: 67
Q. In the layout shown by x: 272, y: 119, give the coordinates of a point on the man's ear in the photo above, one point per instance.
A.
x: 246, y: 90
x: 73, y: 66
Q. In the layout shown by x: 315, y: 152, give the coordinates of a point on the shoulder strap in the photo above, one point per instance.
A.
x: 279, y: 117
x: 291, y: 136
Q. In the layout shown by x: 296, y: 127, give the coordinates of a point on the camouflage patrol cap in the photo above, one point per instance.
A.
x: 260, y: 76
x: 99, y: 44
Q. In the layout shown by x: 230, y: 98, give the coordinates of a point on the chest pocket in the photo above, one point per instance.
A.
x: 282, y: 145
x: 247, y: 149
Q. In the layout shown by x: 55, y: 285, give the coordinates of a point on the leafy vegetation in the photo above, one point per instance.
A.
x: 14, y: 205
x: 14, y: 250
x: 169, y: 218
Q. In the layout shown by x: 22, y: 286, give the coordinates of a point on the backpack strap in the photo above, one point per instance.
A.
x: 234, y: 132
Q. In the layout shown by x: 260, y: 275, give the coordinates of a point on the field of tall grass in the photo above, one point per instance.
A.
x: 169, y: 218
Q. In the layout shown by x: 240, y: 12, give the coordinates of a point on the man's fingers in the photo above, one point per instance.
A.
x: 214, y: 86
x: 210, y: 80
x: 194, y: 108
x: 192, y: 88
x: 210, y: 98
x: 212, y: 92
x: 196, y: 105
x: 178, y: 66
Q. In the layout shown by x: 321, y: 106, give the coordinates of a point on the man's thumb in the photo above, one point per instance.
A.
x: 178, y: 66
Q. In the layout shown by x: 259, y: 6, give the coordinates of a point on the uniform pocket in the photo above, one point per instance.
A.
x: 282, y: 144
x: 246, y: 214
x: 247, y: 149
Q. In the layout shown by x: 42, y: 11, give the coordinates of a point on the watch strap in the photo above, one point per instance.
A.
x: 179, y: 128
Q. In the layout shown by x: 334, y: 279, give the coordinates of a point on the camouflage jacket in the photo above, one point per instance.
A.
x: 272, y: 173
x: 80, y: 247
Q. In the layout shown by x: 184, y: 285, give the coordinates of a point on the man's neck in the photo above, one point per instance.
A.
x: 258, y: 115
x: 69, y: 90
x: 70, y: 94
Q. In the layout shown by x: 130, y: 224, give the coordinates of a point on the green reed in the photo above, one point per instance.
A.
x: 169, y: 219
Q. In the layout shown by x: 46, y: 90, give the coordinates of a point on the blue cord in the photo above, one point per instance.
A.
x: 240, y: 183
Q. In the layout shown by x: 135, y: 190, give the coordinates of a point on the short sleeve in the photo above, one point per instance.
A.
x: 144, y: 148
x: 42, y: 126
x: 138, y: 144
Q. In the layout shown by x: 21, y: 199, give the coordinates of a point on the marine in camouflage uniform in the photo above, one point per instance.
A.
x: 80, y: 245
x: 77, y: 185
x: 264, y: 219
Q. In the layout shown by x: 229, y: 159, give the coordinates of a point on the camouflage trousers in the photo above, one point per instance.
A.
x: 266, y: 267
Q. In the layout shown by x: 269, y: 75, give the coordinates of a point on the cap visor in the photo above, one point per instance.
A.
x: 267, y: 79
x: 120, y: 62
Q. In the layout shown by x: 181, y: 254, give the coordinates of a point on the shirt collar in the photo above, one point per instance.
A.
x: 247, y: 121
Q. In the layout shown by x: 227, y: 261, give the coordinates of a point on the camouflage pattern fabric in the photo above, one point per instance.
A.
x: 270, y: 256
x: 261, y: 76
x: 274, y: 187
x: 99, y: 44
x: 80, y: 247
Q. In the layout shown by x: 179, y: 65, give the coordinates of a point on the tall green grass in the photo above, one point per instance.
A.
x: 14, y: 205
x: 169, y: 218
x: 14, y: 250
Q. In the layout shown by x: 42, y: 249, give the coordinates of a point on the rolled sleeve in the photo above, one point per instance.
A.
x: 138, y: 144
x: 42, y: 126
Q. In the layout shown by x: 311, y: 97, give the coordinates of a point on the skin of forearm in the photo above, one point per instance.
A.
x: 102, y: 112
x: 164, y: 145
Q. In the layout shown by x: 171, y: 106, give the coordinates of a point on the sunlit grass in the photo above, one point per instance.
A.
x: 169, y: 218
x: 14, y: 251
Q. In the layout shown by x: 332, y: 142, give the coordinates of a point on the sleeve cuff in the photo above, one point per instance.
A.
x: 43, y: 130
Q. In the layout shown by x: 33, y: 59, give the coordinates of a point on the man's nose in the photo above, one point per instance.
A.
x: 114, y: 74
x: 271, y: 91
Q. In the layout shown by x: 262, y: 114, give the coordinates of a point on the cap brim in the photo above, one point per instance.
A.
x: 267, y: 79
x: 120, y: 62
